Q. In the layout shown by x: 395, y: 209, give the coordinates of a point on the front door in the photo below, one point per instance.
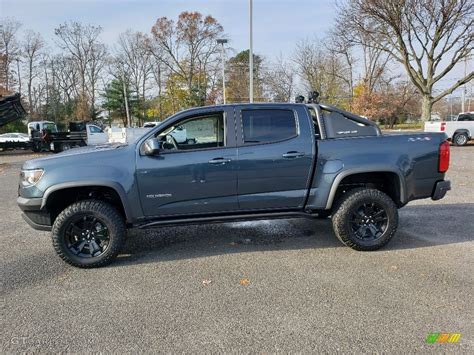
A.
x: 276, y: 150
x: 95, y: 135
x: 195, y: 172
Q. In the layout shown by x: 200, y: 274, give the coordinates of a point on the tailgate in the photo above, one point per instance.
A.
x: 432, y: 127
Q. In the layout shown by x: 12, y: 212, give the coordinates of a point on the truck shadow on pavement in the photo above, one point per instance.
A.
x: 419, y: 226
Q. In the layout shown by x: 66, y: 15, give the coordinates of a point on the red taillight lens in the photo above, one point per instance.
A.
x: 443, y: 126
x: 443, y: 163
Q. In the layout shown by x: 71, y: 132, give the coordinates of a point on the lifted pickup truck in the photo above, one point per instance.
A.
x: 246, y: 162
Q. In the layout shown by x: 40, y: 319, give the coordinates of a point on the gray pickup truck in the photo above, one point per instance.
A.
x: 239, y: 162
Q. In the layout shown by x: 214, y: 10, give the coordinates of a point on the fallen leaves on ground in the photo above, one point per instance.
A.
x: 244, y: 282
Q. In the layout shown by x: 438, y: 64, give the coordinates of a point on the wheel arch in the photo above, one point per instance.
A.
x: 462, y: 130
x: 369, y: 177
x: 120, y: 197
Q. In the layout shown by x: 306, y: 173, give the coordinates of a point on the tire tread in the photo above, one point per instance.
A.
x: 342, y: 210
x: 95, y: 206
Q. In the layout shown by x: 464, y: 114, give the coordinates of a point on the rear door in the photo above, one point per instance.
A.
x: 276, y: 150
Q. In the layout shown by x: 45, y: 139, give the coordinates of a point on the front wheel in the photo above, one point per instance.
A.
x: 365, y: 219
x: 89, y: 234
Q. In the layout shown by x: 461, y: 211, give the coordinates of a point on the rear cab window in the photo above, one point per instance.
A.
x: 466, y: 117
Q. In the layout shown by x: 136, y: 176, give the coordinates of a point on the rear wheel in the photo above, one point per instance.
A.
x: 88, y: 234
x: 460, y: 139
x: 365, y: 219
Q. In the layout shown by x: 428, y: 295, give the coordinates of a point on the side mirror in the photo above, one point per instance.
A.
x: 152, y: 146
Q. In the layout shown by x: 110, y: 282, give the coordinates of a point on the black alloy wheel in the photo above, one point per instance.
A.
x: 369, y: 221
x: 87, y: 236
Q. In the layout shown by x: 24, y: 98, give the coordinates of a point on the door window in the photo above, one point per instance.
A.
x: 202, y: 132
x: 266, y: 126
x: 94, y: 129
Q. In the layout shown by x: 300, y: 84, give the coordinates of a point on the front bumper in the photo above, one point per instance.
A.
x: 440, y: 189
x: 32, y: 213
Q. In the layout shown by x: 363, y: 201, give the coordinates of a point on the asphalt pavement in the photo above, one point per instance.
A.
x: 268, y: 286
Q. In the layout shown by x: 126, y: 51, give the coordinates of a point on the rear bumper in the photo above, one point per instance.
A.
x: 441, y: 187
x: 32, y: 213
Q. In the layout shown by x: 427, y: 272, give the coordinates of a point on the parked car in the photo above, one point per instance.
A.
x: 14, y: 137
x: 459, y: 131
x: 248, y: 162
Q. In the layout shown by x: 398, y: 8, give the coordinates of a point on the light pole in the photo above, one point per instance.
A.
x: 251, y: 52
x: 223, y: 41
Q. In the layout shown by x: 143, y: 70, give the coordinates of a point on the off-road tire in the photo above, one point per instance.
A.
x: 460, y: 139
x: 107, y: 214
x: 349, y: 203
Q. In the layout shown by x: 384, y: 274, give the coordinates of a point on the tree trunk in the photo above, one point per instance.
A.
x: 426, y: 106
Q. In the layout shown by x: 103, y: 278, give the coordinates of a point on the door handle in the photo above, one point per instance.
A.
x: 219, y: 161
x: 293, y: 155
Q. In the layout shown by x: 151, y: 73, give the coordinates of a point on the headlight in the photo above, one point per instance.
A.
x: 30, y: 177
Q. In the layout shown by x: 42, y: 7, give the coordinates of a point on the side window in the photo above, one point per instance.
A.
x: 202, y: 132
x: 466, y: 117
x: 94, y: 129
x: 265, y: 126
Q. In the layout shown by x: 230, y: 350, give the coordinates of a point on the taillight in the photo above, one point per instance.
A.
x: 443, y: 163
x: 443, y: 126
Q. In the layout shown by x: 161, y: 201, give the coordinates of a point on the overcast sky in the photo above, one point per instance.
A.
x: 278, y: 24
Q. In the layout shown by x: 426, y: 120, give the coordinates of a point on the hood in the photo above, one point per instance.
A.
x: 91, y: 154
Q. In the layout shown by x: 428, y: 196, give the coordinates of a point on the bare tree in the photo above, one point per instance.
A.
x: 428, y: 37
x: 187, y: 48
x: 280, y: 80
x: 344, y: 48
x: 32, y: 47
x: 9, y: 50
x: 322, y: 70
x: 97, y: 61
x: 82, y: 45
x: 134, y: 51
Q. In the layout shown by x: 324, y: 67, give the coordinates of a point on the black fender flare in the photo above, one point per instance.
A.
x: 113, y: 185
x: 337, y: 180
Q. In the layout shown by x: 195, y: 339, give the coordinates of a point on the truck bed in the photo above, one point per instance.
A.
x: 412, y: 157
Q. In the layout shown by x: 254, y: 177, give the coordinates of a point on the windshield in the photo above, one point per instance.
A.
x: 50, y: 127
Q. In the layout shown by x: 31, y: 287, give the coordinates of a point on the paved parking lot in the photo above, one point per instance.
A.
x: 305, y: 291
